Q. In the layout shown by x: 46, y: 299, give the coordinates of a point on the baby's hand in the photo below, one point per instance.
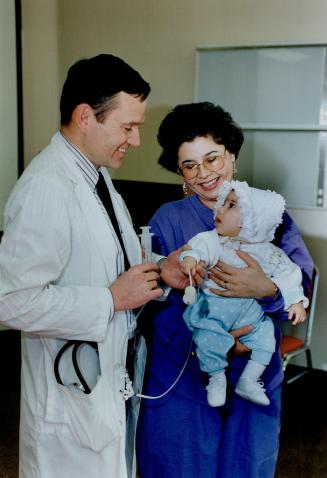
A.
x: 297, y: 313
x: 188, y: 265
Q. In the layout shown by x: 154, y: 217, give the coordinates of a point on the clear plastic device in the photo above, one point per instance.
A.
x: 146, y: 243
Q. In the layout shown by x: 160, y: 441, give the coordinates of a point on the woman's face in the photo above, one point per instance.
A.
x: 206, y: 182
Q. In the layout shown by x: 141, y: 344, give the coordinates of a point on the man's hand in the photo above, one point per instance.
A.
x: 136, y: 286
x: 250, y: 281
x: 172, y: 274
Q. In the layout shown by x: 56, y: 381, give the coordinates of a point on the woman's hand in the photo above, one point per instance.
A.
x: 250, y: 281
x: 239, y: 348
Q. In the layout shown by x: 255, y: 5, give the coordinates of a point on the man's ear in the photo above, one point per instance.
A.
x: 82, y: 116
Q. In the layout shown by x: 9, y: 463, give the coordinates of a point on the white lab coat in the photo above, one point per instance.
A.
x: 57, y: 259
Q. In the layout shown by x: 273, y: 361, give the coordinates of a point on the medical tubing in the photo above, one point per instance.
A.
x: 149, y: 397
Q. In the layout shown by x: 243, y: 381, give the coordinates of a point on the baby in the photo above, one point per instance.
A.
x: 246, y: 219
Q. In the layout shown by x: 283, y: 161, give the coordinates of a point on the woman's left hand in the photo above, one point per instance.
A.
x: 239, y: 348
x: 250, y: 281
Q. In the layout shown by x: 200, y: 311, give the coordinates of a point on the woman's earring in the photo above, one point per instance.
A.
x: 234, y: 169
x: 185, y: 190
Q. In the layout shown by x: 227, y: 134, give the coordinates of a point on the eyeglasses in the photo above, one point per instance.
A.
x: 190, y: 169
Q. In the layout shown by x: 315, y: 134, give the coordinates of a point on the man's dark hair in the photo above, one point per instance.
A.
x: 96, y: 81
x: 187, y: 122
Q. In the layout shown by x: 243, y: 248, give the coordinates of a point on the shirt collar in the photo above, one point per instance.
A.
x: 89, y: 171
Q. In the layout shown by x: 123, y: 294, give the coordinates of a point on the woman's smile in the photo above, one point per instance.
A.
x: 209, y: 185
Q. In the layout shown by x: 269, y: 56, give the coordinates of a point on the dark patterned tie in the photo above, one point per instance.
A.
x: 104, y: 195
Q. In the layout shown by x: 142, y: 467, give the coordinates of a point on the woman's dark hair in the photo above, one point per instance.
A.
x: 187, y: 122
x: 96, y: 81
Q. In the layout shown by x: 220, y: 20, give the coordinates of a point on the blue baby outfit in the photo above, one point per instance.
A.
x: 212, y: 317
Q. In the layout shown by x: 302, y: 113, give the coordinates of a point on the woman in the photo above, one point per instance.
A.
x: 180, y: 435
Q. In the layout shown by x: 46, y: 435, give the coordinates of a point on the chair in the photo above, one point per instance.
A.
x: 292, y: 346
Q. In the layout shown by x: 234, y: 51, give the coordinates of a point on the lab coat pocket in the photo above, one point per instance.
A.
x: 92, y: 418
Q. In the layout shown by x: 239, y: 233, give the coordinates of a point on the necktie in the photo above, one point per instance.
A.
x: 104, y: 195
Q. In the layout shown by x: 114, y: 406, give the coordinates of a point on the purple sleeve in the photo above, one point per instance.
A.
x: 172, y: 229
x: 289, y: 239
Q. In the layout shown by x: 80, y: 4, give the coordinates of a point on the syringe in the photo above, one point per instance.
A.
x: 146, y: 243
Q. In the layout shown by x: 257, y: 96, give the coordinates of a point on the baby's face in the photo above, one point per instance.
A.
x: 228, y: 219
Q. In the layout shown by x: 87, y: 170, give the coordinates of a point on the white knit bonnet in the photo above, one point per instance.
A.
x: 261, y: 211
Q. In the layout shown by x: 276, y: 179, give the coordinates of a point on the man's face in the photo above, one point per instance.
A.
x: 105, y: 144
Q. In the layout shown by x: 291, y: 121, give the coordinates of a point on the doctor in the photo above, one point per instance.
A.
x: 62, y: 275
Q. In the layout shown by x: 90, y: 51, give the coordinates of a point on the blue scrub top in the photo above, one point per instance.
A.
x: 180, y: 435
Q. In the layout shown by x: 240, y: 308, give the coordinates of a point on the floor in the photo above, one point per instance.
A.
x: 9, y: 403
x: 303, y: 441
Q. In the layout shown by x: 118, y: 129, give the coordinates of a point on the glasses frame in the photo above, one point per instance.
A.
x: 198, y: 165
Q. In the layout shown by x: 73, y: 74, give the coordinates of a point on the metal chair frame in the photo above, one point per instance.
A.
x: 299, y: 346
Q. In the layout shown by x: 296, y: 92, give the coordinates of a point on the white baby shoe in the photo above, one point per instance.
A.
x: 252, y: 390
x: 216, y: 390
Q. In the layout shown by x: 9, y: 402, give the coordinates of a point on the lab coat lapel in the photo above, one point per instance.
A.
x: 102, y: 231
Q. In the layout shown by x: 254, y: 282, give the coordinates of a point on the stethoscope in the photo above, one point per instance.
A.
x: 75, y: 344
x: 84, y: 387
x: 127, y: 392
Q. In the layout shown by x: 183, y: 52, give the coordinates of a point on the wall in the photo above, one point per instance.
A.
x: 40, y: 73
x: 159, y: 38
x: 8, y: 103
